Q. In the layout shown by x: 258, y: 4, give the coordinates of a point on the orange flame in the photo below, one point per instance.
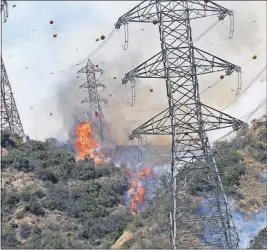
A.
x: 136, y: 191
x: 140, y: 195
x: 146, y: 172
x: 85, y: 144
x: 133, y: 186
x: 133, y: 207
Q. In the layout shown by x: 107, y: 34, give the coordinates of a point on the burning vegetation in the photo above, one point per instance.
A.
x: 137, y: 189
x: 86, y: 146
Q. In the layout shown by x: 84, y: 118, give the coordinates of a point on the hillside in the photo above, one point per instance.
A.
x: 260, y: 241
x: 241, y: 164
x: 51, y: 201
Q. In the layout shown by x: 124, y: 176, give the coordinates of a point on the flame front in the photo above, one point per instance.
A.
x: 137, y: 191
x: 86, y: 146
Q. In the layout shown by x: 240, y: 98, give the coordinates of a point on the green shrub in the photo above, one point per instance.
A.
x: 39, y: 155
x: 116, y: 186
x: 232, y: 175
x: 23, y: 164
x: 84, y: 170
x: 102, y: 171
x: 37, y: 146
x: 102, y: 227
x: 66, y: 169
x: 55, y: 240
x: 35, y: 208
x: 13, y: 156
x: 8, y: 239
x: 20, y: 215
x: 25, y: 231
x: 260, y: 241
x: 58, y: 197
x: 47, y: 176
x: 10, y: 198
x: 58, y: 156
x: 6, y: 140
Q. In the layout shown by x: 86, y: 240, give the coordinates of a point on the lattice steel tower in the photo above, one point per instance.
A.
x: 4, y: 10
x: 187, y: 119
x: 92, y: 85
x: 10, y: 119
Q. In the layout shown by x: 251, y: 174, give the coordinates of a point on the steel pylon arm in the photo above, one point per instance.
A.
x: 212, y: 119
x: 146, y: 11
x: 87, y: 69
x: 158, y: 125
x: 87, y: 85
x: 205, y: 63
x: 100, y: 99
x: 215, y: 119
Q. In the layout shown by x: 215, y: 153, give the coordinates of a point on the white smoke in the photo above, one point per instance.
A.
x: 247, y: 227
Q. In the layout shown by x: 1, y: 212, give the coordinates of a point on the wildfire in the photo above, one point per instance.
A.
x: 86, y: 146
x: 137, y: 191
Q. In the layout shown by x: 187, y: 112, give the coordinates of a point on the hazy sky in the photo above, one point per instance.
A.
x: 31, y: 54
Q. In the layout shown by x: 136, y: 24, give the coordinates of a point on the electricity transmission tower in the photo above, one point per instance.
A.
x: 194, y: 171
x: 10, y: 119
x: 92, y: 85
x: 4, y: 10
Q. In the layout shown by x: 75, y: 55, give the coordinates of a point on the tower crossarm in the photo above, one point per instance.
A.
x: 179, y: 66
x: 93, y: 100
x: 88, y: 69
x: 102, y: 100
x: 207, y: 63
x: 86, y: 85
x: 215, y: 119
x: 158, y: 125
x: 212, y: 119
x: 146, y: 11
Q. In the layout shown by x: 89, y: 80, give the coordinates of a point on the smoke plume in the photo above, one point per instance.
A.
x: 121, y: 117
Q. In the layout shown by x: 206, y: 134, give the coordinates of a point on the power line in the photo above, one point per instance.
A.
x: 248, y: 116
x: 95, y: 51
x: 112, y: 33
x: 250, y: 84
x: 232, y: 42
x: 92, y: 53
x: 202, y: 92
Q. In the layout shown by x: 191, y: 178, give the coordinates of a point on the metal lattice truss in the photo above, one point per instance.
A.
x: 10, y: 119
x: 161, y: 123
x: 179, y: 65
x: 4, y: 10
x: 194, y: 171
x: 91, y: 85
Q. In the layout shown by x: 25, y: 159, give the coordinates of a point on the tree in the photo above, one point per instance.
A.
x: 260, y: 241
